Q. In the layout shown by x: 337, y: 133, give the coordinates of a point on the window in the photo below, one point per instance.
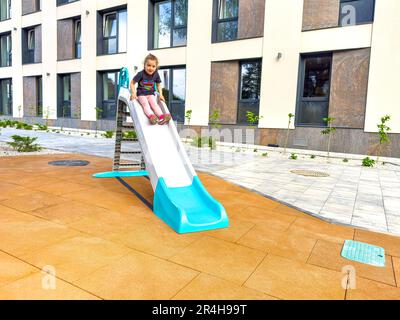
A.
x: 39, y: 96
x: 61, y: 2
x: 109, y: 94
x: 5, y: 10
x: 249, y: 92
x: 114, y: 32
x: 5, y: 50
x: 170, y: 23
x: 173, y: 81
x: 31, y: 39
x: 354, y: 12
x: 28, y: 46
x: 6, y: 97
x: 78, y: 39
x: 314, y: 90
x: 64, y: 105
x: 226, y: 20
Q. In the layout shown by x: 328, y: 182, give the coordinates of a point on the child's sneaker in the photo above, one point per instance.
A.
x: 165, y: 119
x: 153, y: 119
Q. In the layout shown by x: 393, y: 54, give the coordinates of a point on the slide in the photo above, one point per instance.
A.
x: 180, y: 199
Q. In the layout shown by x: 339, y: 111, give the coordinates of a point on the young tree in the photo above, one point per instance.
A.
x: 291, y: 116
x: 215, y: 124
x: 383, y: 134
x: 252, y: 119
x: 188, y: 117
x: 329, y: 131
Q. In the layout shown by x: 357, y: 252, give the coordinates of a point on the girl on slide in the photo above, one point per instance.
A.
x: 148, y: 79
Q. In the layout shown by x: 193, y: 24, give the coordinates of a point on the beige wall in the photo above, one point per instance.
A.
x: 279, y: 78
x: 384, y: 85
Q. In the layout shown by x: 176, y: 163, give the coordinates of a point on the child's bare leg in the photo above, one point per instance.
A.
x: 154, y: 106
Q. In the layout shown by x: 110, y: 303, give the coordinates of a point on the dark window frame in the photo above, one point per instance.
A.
x: 247, y: 101
x: 39, y: 96
x: 28, y: 55
x: 9, y: 11
x: 216, y: 21
x: 10, y: 100
x: 100, y: 30
x: 78, y: 44
x: 9, y: 54
x: 171, y: 102
x: 64, y: 105
x: 300, y: 88
x: 63, y: 2
x: 151, y: 35
x: 106, y: 114
x: 357, y: 23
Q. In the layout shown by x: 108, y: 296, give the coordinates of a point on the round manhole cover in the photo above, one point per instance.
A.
x: 310, y: 173
x: 69, y: 163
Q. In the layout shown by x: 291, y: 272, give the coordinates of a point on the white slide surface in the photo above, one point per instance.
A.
x: 163, y: 150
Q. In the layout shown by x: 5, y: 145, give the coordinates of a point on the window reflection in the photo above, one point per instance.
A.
x: 170, y: 23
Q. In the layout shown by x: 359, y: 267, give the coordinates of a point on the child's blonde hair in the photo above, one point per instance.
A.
x: 153, y: 58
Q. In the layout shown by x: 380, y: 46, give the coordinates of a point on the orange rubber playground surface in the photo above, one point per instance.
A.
x: 66, y: 235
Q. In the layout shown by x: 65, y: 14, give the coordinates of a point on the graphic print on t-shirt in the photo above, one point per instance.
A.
x: 147, y: 85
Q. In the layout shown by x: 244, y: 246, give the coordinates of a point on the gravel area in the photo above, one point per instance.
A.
x: 7, y: 151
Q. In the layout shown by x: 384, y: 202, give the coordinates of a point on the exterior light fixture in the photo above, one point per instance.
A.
x: 87, y: 12
x: 48, y: 74
x: 279, y: 56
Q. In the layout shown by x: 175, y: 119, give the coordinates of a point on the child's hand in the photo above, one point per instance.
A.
x: 133, y: 96
x: 162, y: 98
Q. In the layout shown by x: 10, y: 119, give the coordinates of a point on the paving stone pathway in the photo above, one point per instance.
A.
x: 352, y: 195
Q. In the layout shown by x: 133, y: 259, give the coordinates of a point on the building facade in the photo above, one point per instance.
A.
x: 60, y: 61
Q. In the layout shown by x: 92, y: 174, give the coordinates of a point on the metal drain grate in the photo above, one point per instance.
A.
x: 69, y: 163
x: 364, y: 253
x: 310, y: 173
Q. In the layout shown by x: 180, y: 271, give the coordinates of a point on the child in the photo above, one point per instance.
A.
x: 147, y: 79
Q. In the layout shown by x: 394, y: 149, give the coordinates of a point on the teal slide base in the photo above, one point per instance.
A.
x: 189, y: 209
x: 121, y: 174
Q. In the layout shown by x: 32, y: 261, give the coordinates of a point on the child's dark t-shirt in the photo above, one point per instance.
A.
x: 146, y: 83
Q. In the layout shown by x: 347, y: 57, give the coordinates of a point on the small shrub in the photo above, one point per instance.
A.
x: 255, y: 150
x: 212, y: 143
x: 345, y: 160
x: 24, y: 144
x: 368, y: 162
x: 129, y: 135
x: 313, y: 156
x: 41, y: 127
x: 265, y: 154
x: 108, y: 134
x: 293, y: 156
x: 199, y: 141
